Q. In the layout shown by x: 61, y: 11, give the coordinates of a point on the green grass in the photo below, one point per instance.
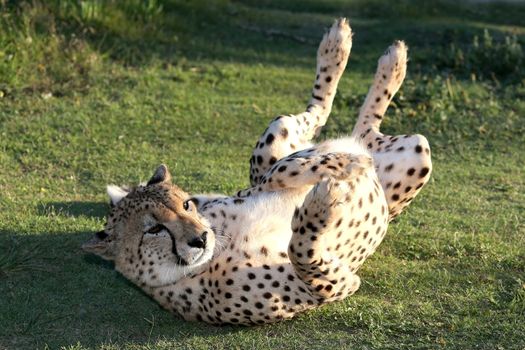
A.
x: 103, y: 92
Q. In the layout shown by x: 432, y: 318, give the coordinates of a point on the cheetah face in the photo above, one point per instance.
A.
x: 154, y: 233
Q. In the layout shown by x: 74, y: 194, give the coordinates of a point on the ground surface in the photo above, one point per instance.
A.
x: 98, y: 94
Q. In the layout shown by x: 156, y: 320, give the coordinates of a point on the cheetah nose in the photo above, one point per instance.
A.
x: 199, y: 242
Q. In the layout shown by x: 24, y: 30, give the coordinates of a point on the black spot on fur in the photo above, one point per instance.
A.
x: 424, y: 172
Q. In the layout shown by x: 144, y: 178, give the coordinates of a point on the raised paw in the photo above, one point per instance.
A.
x: 336, y: 44
x: 332, y: 57
x: 344, y: 166
x: 393, y: 65
x: 391, y: 71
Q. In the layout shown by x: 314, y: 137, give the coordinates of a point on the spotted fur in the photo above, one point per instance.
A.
x: 297, y: 237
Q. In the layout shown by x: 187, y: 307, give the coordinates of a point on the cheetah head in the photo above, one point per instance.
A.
x: 154, y: 234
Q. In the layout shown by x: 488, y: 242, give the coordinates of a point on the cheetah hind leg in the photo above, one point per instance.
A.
x: 402, y: 162
x: 291, y: 133
x: 340, y: 223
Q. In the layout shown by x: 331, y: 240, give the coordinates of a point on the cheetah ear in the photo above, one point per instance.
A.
x: 100, y: 244
x: 116, y: 193
x: 162, y: 174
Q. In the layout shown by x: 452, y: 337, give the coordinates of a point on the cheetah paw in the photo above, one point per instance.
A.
x: 336, y: 44
x: 393, y: 63
x: 355, y: 165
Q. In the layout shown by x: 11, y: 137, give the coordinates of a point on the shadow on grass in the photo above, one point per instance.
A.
x: 70, y: 297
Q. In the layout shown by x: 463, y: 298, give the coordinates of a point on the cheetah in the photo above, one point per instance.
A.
x: 297, y: 237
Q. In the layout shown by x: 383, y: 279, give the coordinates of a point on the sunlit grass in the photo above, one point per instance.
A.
x: 104, y: 93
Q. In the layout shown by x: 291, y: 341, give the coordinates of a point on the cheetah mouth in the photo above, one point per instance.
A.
x: 194, y: 256
x: 180, y: 260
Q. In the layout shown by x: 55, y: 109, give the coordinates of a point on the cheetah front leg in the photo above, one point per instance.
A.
x: 402, y: 162
x: 307, y: 168
x: 290, y: 133
x: 340, y: 223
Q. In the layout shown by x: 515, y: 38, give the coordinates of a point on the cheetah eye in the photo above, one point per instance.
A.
x: 156, y: 229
